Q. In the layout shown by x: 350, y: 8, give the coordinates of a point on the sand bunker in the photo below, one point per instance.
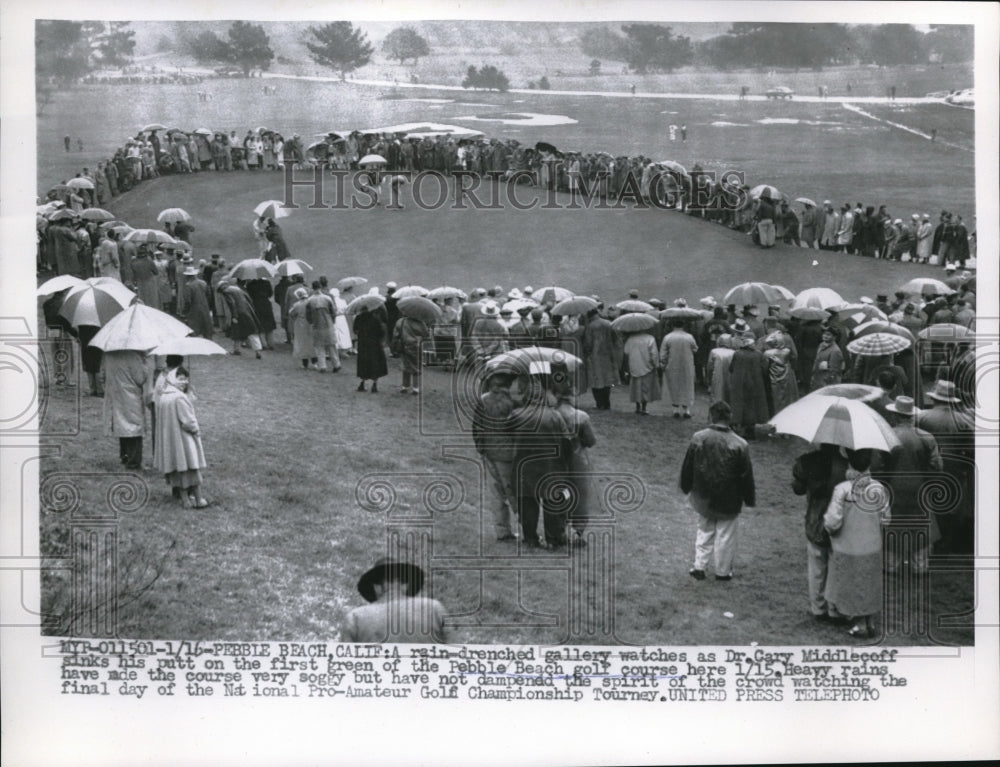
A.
x: 521, y: 118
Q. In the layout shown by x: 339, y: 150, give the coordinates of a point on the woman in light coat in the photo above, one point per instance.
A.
x: 643, y: 360
x: 179, y: 454
x: 925, y: 239
x: 677, y: 358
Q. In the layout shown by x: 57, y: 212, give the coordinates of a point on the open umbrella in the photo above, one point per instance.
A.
x: 517, y: 304
x: 878, y: 345
x: 96, y: 214
x: 531, y: 359
x: 63, y: 214
x: 173, y: 215
x: 272, y: 209
x: 544, y: 146
x: 177, y: 245
x: 809, y: 313
x: 80, y: 183
x: 150, y: 236
x: 766, y: 190
x: 857, y: 314
x: 633, y: 323
x: 884, y: 326
x: 805, y: 201
x: 253, y: 269
x: 573, y: 306
x: 408, y: 291
x: 95, y: 302
x: 204, y: 132
x: 947, y: 333
x: 552, y: 294
x: 369, y: 300
x: 856, y: 391
x: 634, y: 305
x: 681, y: 313
x: 292, y: 266
x: 752, y: 293
x: 153, y: 127
x: 59, y: 284
x: 189, y: 346
x: 351, y: 282
x: 448, y: 292
x: 849, y: 423
x: 420, y: 308
x: 784, y: 292
x: 923, y: 286
x: 139, y: 328
x: 372, y: 159
x: 820, y: 298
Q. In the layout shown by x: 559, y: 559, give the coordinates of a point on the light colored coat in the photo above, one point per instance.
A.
x: 677, y: 357
x: 126, y: 381
x: 410, y: 620
x: 178, y: 442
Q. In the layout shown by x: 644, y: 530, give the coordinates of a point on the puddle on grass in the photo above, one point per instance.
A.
x: 521, y: 118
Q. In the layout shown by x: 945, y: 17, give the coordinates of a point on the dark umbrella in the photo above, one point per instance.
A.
x: 543, y: 146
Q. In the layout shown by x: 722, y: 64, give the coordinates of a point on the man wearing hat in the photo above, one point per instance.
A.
x: 751, y: 314
x: 395, y: 613
x: 490, y: 432
x: 954, y: 430
x: 471, y: 311
x: 905, y: 470
x: 197, y: 314
x: 831, y: 223
x: 488, y: 336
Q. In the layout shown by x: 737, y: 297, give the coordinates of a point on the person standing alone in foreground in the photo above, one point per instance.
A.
x: 717, y: 476
x: 396, y: 614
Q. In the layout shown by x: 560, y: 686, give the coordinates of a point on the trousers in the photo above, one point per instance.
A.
x: 716, y: 539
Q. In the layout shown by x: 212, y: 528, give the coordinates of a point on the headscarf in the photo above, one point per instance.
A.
x: 725, y: 341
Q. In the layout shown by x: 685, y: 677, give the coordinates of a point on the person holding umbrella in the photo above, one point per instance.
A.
x: 748, y: 387
x: 178, y: 453
x: 260, y: 292
x: 406, y: 339
x: 106, y: 263
x: 602, y: 354
x: 371, y: 363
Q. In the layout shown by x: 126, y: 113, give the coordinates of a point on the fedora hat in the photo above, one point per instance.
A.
x: 490, y: 308
x: 191, y: 272
x: 391, y: 569
x: 944, y: 391
x: 902, y: 406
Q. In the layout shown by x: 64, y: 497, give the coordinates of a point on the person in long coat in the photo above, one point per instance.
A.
x: 106, y: 262
x: 197, y: 314
x: 717, y: 369
x: 602, y: 358
x: 371, y: 334
x: 828, y: 365
x: 677, y: 358
x: 260, y: 292
x: 858, y: 509
x: 242, y: 319
x: 279, y: 248
x: 748, y: 387
x: 146, y: 277
x: 781, y: 376
x: 341, y: 327
x: 301, y: 330
x: 643, y: 359
x: 66, y: 248
x: 178, y: 453
x: 807, y: 340
x: 584, y: 498
x: 126, y: 381
x: 91, y: 359
x: 407, y: 336
x: 321, y: 312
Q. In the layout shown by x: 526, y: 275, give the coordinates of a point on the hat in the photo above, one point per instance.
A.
x: 926, y: 217
x: 656, y: 303
x: 827, y: 202
x: 680, y: 302
x: 191, y: 272
x: 740, y: 326
x: 747, y: 339
x: 478, y: 293
x: 898, y: 221
x: 391, y: 284
x: 506, y: 310
x: 944, y: 391
x: 373, y: 291
x: 391, y: 569
x: 490, y: 308
x: 902, y: 406
x: 915, y: 215
x: 709, y: 302
x: 215, y: 257
x: 300, y: 293
x: 950, y: 267
x: 528, y: 290
x: 514, y: 293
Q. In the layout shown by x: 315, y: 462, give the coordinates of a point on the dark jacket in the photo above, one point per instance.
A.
x: 718, y: 473
x: 814, y: 475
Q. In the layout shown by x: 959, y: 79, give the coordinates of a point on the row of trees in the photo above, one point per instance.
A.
x: 68, y: 50
x: 654, y: 47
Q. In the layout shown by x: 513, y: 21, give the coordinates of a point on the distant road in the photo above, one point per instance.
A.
x: 618, y: 94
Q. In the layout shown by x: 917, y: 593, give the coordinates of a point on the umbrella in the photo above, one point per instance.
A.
x: 752, y: 293
x: 261, y: 129
x: 543, y: 146
x: 152, y: 236
x: 96, y: 301
x: 553, y: 294
x: 947, y: 333
x: 369, y: 300
x: 809, y: 313
x: 531, y: 359
x: 922, y: 286
x: 573, y: 306
x: 139, y: 328
x: 785, y: 293
x: 58, y: 284
x: 859, y: 313
x: 154, y: 127
x: 372, y: 159
x: 96, y: 214
x: 253, y: 269
x: 681, y: 313
x: 408, y: 291
x: 177, y: 245
x: 204, y: 132
x: 188, y: 346
x: 671, y: 165
x: 448, y: 292
x: 272, y: 209
x: 62, y: 214
x: 634, y: 305
x: 517, y: 304
x: 766, y: 190
x: 878, y: 345
x: 849, y: 423
x: 884, y: 326
x: 633, y: 323
x: 80, y: 183
x: 850, y: 391
x: 805, y: 201
x: 293, y: 266
x: 315, y: 145
x: 173, y: 215
x: 819, y: 298
x: 420, y: 308
x: 351, y: 282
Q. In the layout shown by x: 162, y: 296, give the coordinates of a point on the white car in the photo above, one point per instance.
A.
x: 962, y: 98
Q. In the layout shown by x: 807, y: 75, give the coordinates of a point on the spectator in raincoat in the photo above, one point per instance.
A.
x: 243, y: 325
x: 602, y: 358
x: 300, y: 329
x: 828, y: 365
x: 179, y: 455
x: 126, y: 384
x: 371, y: 334
x: 677, y: 358
x: 321, y: 311
x: 748, y: 386
x: 781, y: 375
x: 197, y: 314
x: 406, y: 339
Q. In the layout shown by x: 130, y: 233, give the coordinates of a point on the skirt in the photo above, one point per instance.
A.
x: 184, y: 479
x: 854, y: 583
x: 645, y: 388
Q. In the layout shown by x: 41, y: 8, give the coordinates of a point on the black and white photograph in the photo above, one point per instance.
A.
x: 640, y: 356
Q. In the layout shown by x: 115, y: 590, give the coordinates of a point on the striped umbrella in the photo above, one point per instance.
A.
x: 748, y: 293
x: 947, y: 333
x: 878, y: 345
x: 95, y: 302
x: 884, y: 326
x: 150, y: 236
x: 923, y: 286
x: 531, y: 359
x: 292, y: 266
x: 861, y: 392
x: 818, y: 298
x: 139, y: 328
x: 850, y: 423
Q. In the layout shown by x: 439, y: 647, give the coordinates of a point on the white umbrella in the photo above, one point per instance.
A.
x: 58, y: 284
x: 817, y: 298
x: 173, y: 215
x: 408, y: 291
x: 139, y: 328
x: 850, y: 423
x: 189, y: 346
x: 293, y: 266
x: 80, y: 183
x: 372, y: 159
x: 151, y: 236
x: 272, y: 209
